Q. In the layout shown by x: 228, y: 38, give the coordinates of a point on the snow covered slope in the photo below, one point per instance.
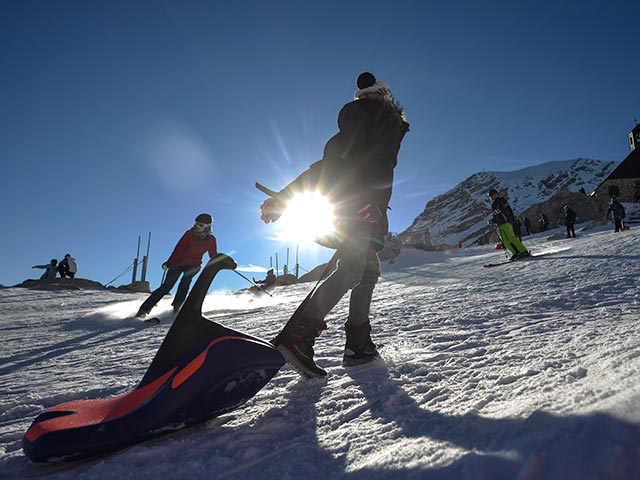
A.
x: 461, y: 214
x: 525, y: 371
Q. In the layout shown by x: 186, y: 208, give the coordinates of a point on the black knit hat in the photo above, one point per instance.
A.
x: 365, y: 80
x: 204, y: 218
x: 493, y: 191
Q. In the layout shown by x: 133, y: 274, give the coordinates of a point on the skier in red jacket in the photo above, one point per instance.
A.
x: 185, y: 260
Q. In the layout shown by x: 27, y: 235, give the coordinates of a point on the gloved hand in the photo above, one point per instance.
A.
x: 165, y: 266
x: 271, y: 209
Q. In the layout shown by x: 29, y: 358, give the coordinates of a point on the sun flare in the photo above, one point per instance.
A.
x: 308, y: 216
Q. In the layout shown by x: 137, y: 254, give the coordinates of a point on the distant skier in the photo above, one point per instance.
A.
x: 185, y: 260
x: 68, y: 266
x: 269, y: 280
x: 616, y: 209
x: 543, y: 223
x: 527, y: 225
x: 569, y: 221
x: 356, y: 173
x: 50, y: 269
x: 503, y: 219
x: 517, y: 228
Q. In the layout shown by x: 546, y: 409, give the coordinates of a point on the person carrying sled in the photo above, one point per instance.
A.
x: 185, y: 260
x: 503, y: 219
x: 569, y: 221
x: 50, y: 269
x: 356, y: 175
x: 616, y: 209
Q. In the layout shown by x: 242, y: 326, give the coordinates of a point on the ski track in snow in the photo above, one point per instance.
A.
x: 526, y: 371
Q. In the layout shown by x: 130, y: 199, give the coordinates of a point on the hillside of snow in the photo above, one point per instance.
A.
x: 528, y: 371
x: 461, y: 213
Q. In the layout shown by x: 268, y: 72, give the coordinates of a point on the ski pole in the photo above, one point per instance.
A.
x: 253, y: 283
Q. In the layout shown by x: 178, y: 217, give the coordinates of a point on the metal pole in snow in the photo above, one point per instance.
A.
x: 135, y: 263
x: 145, y: 260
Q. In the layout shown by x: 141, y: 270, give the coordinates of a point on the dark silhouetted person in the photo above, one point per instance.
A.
x: 616, y: 209
x: 68, y: 267
x: 569, y: 221
x: 517, y: 228
x: 356, y: 174
x: 527, y: 225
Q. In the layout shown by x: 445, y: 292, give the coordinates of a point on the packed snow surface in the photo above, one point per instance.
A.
x: 529, y: 370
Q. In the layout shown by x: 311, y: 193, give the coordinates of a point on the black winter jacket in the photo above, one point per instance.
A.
x: 502, y: 212
x: 357, y: 165
x: 569, y: 216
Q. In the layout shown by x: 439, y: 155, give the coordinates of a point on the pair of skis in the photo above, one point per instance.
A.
x: 497, y: 264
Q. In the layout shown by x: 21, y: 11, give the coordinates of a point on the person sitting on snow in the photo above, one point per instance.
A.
x: 269, y: 280
x: 68, y: 266
x: 50, y: 270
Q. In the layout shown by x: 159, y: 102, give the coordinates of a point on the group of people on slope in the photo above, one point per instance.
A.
x: 503, y: 216
x: 356, y: 174
x: 67, y: 267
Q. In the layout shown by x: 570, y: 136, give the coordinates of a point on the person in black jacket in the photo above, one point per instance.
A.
x: 569, y: 221
x: 617, y: 210
x: 356, y: 174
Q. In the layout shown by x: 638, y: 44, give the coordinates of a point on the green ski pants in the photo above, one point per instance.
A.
x: 509, y: 239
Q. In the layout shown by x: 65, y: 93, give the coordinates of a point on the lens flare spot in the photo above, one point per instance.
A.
x: 309, y: 215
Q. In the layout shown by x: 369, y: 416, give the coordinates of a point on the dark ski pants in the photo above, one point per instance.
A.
x: 618, y: 224
x: 357, y: 268
x: 173, y: 273
x: 571, y: 231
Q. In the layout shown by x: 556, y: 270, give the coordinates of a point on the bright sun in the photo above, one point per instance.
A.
x: 308, y: 216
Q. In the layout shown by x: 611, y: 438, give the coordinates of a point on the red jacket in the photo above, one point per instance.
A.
x: 190, y: 249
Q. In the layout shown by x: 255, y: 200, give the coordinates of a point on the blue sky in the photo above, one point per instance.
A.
x: 122, y: 118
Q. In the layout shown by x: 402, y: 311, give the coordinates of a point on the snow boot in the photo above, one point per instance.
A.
x: 359, y: 348
x: 297, y: 348
x: 141, y: 314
